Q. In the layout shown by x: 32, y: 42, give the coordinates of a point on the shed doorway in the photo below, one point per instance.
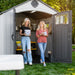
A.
x: 60, y: 28
x: 35, y: 17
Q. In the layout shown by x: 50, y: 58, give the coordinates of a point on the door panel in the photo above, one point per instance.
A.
x: 62, y: 37
x: 7, y: 24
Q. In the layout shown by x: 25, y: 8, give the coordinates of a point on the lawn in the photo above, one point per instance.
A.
x: 73, y: 46
x: 50, y: 69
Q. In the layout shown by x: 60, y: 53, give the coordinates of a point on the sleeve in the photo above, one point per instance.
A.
x: 37, y: 33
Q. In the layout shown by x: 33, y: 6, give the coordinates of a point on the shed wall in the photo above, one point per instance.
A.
x: 20, y: 17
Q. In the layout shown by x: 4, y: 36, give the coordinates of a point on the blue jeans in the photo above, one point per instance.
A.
x: 26, y: 43
x: 42, y: 47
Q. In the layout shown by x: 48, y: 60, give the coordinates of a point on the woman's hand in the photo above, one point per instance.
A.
x: 27, y: 35
x: 30, y: 35
x: 24, y: 34
x: 42, y: 34
x: 46, y: 35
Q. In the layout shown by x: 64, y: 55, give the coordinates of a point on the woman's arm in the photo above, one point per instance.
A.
x: 21, y: 32
x: 37, y: 34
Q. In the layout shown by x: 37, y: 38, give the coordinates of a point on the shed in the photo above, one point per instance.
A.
x: 60, y: 23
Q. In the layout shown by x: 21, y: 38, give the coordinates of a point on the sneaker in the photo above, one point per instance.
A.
x: 25, y: 63
x: 41, y: 61
x: 30, y: 63
x: 44, y: 64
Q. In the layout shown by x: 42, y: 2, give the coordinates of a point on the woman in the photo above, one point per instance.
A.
x: 25, y: 41
x: 42, y: 34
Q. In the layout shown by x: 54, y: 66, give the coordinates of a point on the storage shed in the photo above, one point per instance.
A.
x: 59, y: 41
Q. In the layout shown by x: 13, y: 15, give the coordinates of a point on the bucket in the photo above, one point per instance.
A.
x: 18, y: 43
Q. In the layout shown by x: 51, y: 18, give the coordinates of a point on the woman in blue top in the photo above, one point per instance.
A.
x: 25, y: 32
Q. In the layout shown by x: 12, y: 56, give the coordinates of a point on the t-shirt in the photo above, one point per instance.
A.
x: 25, y: 30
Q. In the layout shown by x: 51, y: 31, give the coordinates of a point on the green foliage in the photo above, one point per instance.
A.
x: 60, y: 5
x: 73, y: 20
x: 6, y: 4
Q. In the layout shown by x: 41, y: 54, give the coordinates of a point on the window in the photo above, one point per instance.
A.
x: 61, y: 19
x: 57, y: 18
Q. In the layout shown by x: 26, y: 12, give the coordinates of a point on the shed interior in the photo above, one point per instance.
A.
x: 35, y: 18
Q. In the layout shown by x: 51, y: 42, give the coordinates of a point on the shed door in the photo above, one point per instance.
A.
x: 7, y: 32
x: 62, y: 37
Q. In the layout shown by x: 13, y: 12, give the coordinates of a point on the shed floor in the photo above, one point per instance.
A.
x: 36, y: 59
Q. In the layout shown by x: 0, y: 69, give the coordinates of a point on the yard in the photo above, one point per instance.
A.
x: 50, y: 69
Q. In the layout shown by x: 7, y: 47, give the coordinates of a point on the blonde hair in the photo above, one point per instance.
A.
x: 25, y: 22
x: 43, y: 24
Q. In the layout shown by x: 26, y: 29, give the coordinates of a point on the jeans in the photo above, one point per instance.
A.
x: 26, y: 43
x: 42, y: 47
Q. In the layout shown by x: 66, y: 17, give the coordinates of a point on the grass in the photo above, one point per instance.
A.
x: 50, y: 69
x: 73, y: 47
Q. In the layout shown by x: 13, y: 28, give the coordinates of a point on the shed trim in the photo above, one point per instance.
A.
x: 26, y: 2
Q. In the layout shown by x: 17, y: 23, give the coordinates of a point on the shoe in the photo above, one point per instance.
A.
x: 30, y: 63
x: 25, y: 63
x: 44, y: 64
x: 41, y: 61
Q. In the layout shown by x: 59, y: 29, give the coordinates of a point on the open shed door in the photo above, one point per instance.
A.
x: 7, y: 32
x: 62, y: 37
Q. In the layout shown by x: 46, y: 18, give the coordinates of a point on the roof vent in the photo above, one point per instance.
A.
x: 34, y: 3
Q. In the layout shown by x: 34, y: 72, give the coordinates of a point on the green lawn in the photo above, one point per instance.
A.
x: 50, y: 69
x: 73, y: 47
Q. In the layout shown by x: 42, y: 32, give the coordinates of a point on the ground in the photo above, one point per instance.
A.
x: 50, y: 69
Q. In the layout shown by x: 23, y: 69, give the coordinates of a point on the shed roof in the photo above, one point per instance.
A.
x: 29, y: 6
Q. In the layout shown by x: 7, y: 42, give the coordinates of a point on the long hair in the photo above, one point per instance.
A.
x: 43, y: 24
x: 25, y: 22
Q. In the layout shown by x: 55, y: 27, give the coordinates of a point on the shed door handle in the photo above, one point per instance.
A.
x: 12, y: 36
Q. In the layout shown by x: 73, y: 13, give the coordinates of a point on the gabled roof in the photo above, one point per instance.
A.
x: 43, y: 6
